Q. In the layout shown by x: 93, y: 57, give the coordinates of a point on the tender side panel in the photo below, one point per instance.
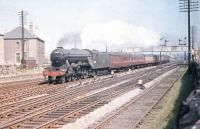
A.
x: 99, y: 61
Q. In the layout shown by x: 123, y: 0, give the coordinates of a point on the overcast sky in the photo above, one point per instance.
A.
x: 117, y: 23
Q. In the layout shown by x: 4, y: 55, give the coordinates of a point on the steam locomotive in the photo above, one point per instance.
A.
x: 73, y: 64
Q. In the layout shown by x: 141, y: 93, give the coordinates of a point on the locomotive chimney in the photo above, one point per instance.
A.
x: 60, y: 47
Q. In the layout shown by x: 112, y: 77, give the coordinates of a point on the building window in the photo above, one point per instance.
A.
x: 17, y: 57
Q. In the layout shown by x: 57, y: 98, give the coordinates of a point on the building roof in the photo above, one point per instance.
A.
x: 17, y: 34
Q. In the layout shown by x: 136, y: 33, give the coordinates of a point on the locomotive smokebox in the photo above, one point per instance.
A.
x: 57, y: 57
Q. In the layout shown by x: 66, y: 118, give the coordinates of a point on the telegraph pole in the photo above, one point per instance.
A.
x: 189, y: 6
x: 22, y: 39
x: 74, y: 44
x: 106, y: 48
x: 189, y: 43
x: 193, y: 38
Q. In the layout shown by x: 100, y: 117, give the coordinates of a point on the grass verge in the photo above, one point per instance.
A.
x: 167, y: 116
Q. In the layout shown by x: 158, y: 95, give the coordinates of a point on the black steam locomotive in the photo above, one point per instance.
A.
x: 73, y: 64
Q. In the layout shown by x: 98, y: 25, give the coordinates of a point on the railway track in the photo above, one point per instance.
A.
x: 32, y: 89
x: 21, y: 78
x: 17, y: 86
x: 44, y: 100
x: 125, y: 118
x: 10, y: 92
x: 54, y: 110
x: 16, y: 91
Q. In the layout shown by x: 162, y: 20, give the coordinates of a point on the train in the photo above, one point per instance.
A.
x: 73, y: 64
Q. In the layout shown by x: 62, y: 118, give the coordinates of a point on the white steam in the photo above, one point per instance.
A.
x: 117, y: 35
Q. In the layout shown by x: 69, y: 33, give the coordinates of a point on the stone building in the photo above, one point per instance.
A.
x: 34, y: 47
x: 1, y: 49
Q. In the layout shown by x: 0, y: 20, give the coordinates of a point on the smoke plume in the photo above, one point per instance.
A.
x: 70, y: 40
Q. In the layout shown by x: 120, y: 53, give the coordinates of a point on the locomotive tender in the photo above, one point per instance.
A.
x: 68, y: 65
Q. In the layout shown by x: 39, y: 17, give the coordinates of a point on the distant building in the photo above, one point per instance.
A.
x: 130, y: 50
x: 1, y: 49
x: 33, y: 49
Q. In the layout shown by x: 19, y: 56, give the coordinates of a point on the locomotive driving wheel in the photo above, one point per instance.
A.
x: 62, y: 79
x: 73, y: 78
x: 69, y: 79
